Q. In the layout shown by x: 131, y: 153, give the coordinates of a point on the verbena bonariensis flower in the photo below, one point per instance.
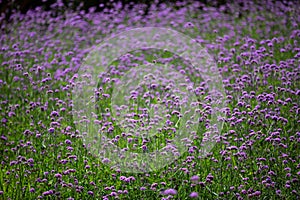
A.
x: 257, y: 57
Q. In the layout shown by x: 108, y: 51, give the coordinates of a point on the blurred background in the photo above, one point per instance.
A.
x: 9, y: 6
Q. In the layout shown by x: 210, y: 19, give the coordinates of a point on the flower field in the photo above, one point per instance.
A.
x: 47, y: 151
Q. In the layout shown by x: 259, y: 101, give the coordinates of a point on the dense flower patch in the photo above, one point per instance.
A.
x: 256, y: 48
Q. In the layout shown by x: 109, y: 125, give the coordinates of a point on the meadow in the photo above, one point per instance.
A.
x: 45, y: 153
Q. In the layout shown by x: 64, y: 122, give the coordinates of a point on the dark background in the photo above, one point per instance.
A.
x: 8, y: 6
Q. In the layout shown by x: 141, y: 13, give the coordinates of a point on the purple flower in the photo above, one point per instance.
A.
x: 189, y: 25
x: 70, y: 148
x: 202, y: 184
x: 63, y: 161
x: 105, y: 160
x: 287, y: 169
x: 51, y: 130
x: 278, y: 192
x: 58, y: 176
x: 54, y: 114
x: 195, y: 178
x: 90, y: 193
x: 144, y: 147
x: 14, y: 162
x: 68, y: 142
x: 209, y: 178
x: 127, y: 180
x: 73, y: 157
x: 170, y: 192
x: 142, y: 188
x: 257, y: 193
x: 50, y: 192
x: 113, y: 194
x: 132, y: 178
x: 93, y: 183
x: 271, y: 173
x: 194, y: 195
